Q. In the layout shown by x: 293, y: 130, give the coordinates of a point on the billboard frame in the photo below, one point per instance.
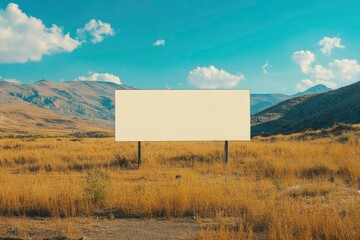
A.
x: 226, y: 142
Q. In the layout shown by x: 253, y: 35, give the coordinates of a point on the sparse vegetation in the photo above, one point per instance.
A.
x: 97, y: 185
x: 278, y: 188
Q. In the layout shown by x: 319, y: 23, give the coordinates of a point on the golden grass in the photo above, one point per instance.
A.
x: 273, y: 188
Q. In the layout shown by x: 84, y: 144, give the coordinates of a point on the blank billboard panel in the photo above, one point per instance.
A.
x: 182, y: 115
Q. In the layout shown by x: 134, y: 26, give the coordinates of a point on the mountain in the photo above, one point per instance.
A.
x: 321, y: 88
x: 310, y: 112
x: 6, y: 83
x: 260, y: 102
x: 28, y: 119
x: 86, y: 99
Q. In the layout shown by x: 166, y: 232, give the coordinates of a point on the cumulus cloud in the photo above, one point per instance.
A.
x: 25, y: 38
x: 213, y: 78
x: 328, y: 44
x: 95, y: 31
x: 264, y: 68
x: 345, y: 69
x: 339, y: 72
x: 304, y: 85
x: 99, y: 77
x: 159, y: 42
x: 304, y: 59
x: 320, y: 72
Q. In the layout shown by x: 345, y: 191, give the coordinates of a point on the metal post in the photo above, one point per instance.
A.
x: 139, y: 154
x: 226, y: 152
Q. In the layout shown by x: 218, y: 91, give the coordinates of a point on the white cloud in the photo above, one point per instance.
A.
x: 96, y: 31
x: 328, y: 44
x: 100, y: 77
x: 159, y: 42
x: 320, y: 72
x: 341, y: 71
x: 345, y: 69
x: 213, y: 78
x: 264, y: 68
x: 304, y: 85
x: 24, y: 38
x: 304, y: 59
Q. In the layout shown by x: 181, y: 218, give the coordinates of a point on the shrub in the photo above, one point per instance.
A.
x: 97, y: 185
x: 340, y: 128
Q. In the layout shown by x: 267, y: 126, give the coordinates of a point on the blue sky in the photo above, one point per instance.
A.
x: 266, y: 46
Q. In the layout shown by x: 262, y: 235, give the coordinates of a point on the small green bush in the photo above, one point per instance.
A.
x: 97, y: 185
x: 347, y: 138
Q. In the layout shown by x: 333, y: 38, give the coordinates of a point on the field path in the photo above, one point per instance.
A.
x: 90, y: 228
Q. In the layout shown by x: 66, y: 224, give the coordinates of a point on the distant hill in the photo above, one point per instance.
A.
x: 4, y: 83
x: 260, y: 102
x: 320, y: 88
x: 27, y: 119
x: 310, y: 112
x: 90, y: 100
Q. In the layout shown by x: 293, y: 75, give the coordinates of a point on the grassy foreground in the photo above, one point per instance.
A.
x: 272, y: 188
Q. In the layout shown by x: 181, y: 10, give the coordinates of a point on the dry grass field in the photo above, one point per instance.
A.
x: 302, y: 186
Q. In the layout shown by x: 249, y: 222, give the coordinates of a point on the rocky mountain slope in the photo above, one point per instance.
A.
x: 28, y: 119
x: 90, y: 100
x: 260, y: 102
x: 310, y: 112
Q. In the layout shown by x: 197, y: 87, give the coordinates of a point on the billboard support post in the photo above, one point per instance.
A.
x: 139, y: 154
x: 226, y: 152
x: 182, y: 115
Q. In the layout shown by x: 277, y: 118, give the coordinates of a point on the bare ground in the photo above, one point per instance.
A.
x: 95, y: 228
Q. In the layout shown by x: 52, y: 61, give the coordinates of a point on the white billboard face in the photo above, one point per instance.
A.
x: 182, y: 115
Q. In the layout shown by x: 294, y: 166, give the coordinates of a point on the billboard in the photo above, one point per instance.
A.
x: 182, y: 115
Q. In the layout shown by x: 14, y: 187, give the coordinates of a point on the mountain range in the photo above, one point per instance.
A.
x: 314, y: 111
x: 27, y: 119
x: 47, y: 105
x: 93, y: 101
x: 260, y: 102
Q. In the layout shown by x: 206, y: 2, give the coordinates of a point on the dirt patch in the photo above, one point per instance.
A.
x: 95, y: 228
